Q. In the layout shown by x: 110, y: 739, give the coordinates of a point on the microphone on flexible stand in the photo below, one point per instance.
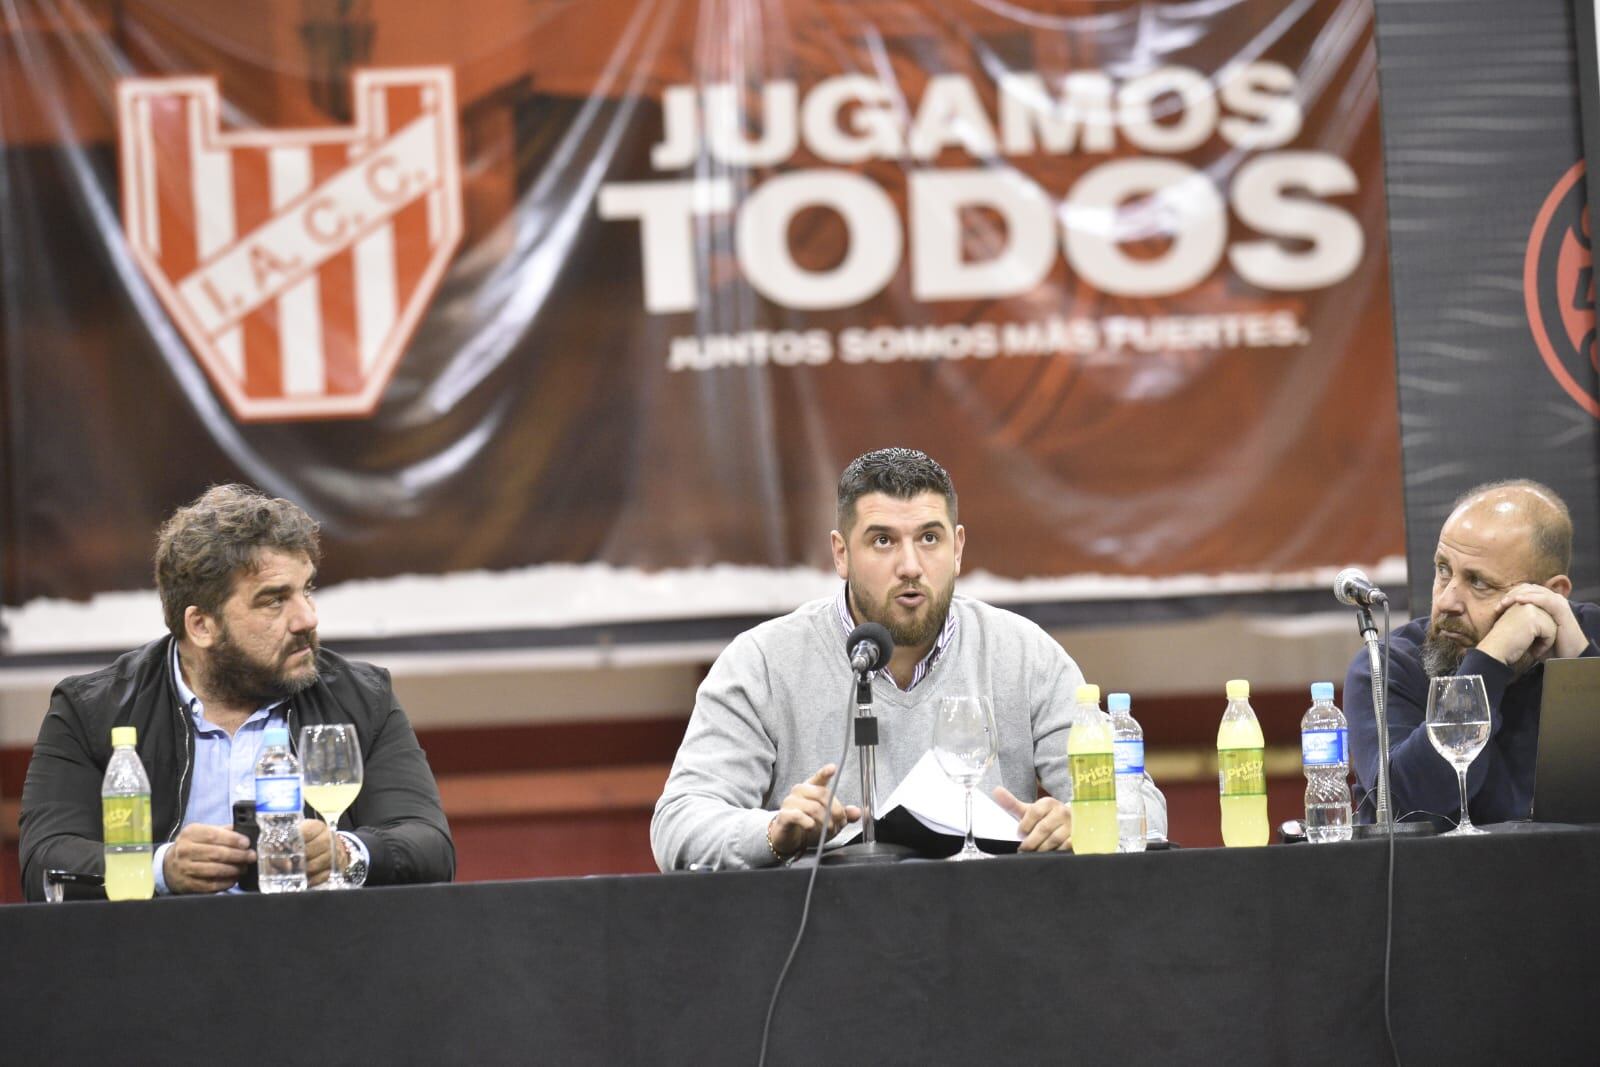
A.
x: 1351, y: 586
x: 870, y: 647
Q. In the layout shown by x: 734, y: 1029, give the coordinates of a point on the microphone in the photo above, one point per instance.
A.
x: 870, y: 646
x: 1353, y: 587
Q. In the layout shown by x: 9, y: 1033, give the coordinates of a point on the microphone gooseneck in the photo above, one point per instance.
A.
x: 1351, y: 586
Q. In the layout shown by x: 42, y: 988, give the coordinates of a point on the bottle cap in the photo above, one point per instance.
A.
x: 1239, y: 689
x: 275, y: 735
x: 124, y: 736
x: 1088, y: 694
x: 1117, y: 702
x: 1321, y: 690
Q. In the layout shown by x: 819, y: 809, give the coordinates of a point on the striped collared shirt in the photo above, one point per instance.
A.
x: 925, y: 664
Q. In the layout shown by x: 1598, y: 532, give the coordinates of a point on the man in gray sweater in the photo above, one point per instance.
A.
x: 751, y: 779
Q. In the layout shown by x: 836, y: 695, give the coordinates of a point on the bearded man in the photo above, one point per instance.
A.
x: 1500, y: 609
x: 235, y: 571
x: 752, y: 775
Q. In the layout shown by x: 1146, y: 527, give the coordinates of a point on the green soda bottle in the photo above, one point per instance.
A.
x: 125, y: 812
x: 1090, y: 757
x: 1241, y: 771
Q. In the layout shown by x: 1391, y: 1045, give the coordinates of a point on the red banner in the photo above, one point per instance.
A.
x: 514, y: 288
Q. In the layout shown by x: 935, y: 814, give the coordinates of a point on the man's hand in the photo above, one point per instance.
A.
x: 1522, y: 636
x: 206, y: 859
x: 1045, y: 825
x: 801, y: 817
x: 319, y: 854
x: 1570, y: 639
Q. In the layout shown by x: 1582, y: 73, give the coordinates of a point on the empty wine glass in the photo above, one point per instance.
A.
x: 330, y: 763
x: 1458, y: 726
x: 964, y: 744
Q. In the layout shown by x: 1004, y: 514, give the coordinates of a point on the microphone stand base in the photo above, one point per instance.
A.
x: 1374, y: 832
x: 862, y: 853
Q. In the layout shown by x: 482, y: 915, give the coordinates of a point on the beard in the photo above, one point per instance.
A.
x: 1440, y: 655
x: 235, y: 677
x: 916, y: 631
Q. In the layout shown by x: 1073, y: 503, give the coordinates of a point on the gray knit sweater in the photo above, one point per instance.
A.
x: 776, y: 705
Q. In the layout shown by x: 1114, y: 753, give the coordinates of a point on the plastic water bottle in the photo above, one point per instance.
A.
x: 125, y: 814
x: 1324, y: 752
x: 1094, y: 775
x: 1129, y: 738
x: 281, y: 847
x: 1242, y: 770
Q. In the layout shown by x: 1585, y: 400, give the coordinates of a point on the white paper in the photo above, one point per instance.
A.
x: 940, y: 805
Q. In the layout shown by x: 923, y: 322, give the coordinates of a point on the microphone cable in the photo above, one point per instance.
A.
x: 811, y: 883
x: 1388, y: 922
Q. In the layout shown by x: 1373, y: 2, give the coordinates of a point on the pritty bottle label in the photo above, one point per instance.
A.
x: 1322, y: 748
x: 126, y: 820
x: 1094, y: 777
x: 1241, y: 772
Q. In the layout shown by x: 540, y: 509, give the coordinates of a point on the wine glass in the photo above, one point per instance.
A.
x: 330, y: 766
x: 964, y: 744
x: 1458, y: 726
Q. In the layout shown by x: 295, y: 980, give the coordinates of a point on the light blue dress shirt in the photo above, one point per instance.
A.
x: 224, y: 768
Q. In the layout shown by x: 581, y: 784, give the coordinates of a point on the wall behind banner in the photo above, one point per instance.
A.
x: 1121, y: 267
x: 1493, y: 293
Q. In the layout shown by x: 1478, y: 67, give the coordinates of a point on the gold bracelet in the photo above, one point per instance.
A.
x: 774, y: 848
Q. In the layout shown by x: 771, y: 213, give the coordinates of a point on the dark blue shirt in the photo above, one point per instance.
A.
x: 1500, y: 780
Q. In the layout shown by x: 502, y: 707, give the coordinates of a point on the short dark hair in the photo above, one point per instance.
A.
x: 207, y: 543
x: 1549, y: 521
x: 901, y: 473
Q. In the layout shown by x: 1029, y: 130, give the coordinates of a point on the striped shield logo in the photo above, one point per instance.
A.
x: 297, y: 263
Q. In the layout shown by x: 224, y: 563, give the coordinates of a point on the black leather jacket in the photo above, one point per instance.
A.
x: 397, y: 814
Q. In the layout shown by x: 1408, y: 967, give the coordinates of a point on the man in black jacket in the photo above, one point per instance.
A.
x: 235, y: 571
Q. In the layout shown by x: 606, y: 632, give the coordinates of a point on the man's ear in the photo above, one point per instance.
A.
x: 1560, y: 584
x: 201, y: 629
x: 841, y: 561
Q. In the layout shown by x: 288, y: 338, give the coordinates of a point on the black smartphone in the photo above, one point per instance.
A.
x: 244, y: 822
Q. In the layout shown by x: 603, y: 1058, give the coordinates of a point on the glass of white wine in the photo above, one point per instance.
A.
x: 964, y: 744
x: 1458, y: 726
x: 330, y: 767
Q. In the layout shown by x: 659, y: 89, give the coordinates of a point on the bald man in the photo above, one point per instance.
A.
x: 1500, y: 609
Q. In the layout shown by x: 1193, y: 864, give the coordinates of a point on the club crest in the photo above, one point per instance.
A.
x: 297, y: 263
x: 1558, y: 287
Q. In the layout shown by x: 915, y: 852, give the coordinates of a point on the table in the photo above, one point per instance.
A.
x: 1268, y: 956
